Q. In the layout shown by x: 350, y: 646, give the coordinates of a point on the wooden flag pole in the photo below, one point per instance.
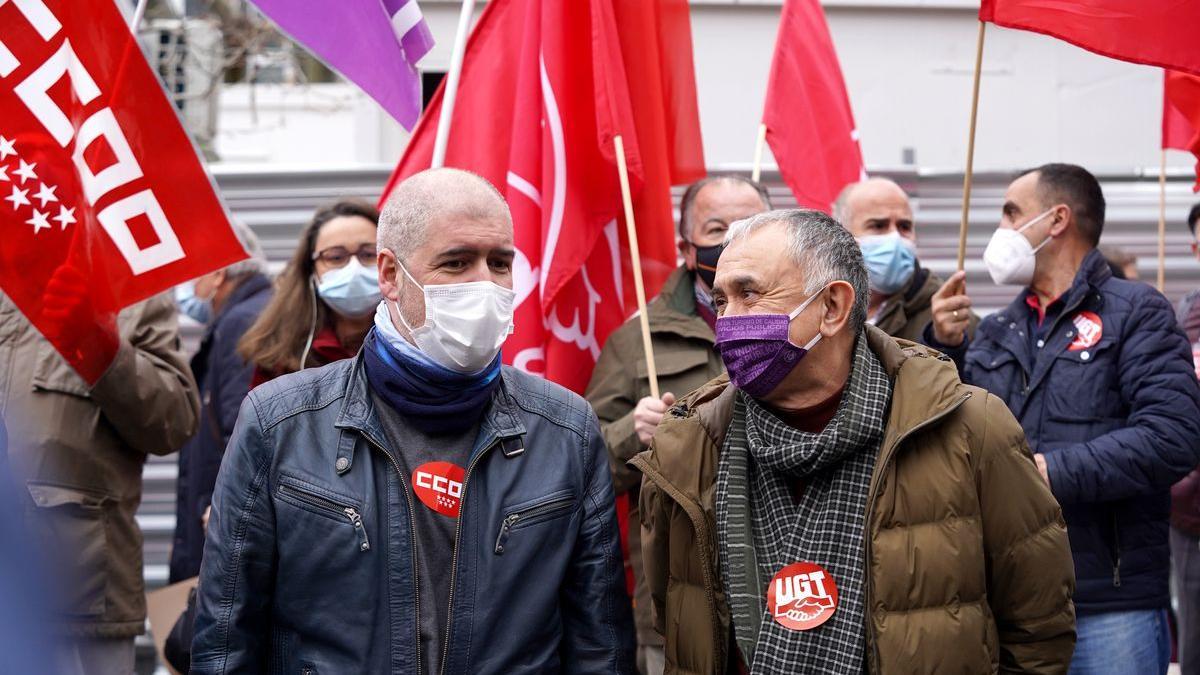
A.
x: 636, y: 260
x: 1162, y: 222
x: 756, y: 172
x: 966, y: 203
x: 451, y: 92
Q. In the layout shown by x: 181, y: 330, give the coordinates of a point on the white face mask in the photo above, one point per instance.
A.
x: 465, y: 324
x: 1009, y: 256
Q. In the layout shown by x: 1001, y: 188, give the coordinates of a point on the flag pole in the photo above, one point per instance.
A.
x: 138, y: 14
x: 1162, y: 221
x: 451, y: 92
x: 636, y: 260
x: 967, y: 177
x: 756, y: 173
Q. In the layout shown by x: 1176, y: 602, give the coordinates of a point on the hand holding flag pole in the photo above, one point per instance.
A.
x: 636, y: 260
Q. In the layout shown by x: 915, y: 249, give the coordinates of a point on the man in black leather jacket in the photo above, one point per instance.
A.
x: 419, y: 508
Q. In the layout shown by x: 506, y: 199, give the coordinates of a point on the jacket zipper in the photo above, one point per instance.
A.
x: 462, y: 512
x: 412, y: 533
x: 871, y: 495
x: 510, y: 521
x: 326, y: 504
x: 1116, y: 553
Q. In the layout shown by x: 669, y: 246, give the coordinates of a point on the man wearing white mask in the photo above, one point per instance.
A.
x: 420, y: 508
x: 907, y: 300
x: 1101, y: 379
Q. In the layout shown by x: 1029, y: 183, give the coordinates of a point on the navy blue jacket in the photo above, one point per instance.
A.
x: 309, y: 566
x: 1118, y: 422
x: 224, y: 380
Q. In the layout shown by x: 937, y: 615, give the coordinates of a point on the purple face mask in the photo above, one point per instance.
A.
x: 757, y: 351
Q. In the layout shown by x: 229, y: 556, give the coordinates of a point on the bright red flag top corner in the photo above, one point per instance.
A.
x: 545, y: 86
x: 103, y: 200
x: 810, y: 126
x: 1181, y: 116
x: 1154, y: 32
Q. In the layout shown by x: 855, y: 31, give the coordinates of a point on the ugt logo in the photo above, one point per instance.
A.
x: 802, y: 596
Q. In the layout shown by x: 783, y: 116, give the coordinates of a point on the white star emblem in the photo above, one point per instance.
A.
x: 38, y: 221
x: 18, y: 198
x: 46, y: 194
x: 26, y: 171
x: 4, y: 173
x: 6, y: 148
x: 65, y: 217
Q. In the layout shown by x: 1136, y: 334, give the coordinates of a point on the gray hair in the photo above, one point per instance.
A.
x: 256, y: 263
x: 688, y: 201
x: 404, y: 220
x: 823, y: 250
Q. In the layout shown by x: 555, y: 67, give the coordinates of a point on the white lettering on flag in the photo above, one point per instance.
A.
x: 125, y: 170
x: 34, y: 91
x: 43, y: 21
x: 115, y: 221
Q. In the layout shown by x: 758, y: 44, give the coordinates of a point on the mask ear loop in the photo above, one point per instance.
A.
x: 796, y: 312
x: 312, y: 329
x: 399, y: 312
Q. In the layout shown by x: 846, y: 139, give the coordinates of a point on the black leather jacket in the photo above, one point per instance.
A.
x: 308, y: 566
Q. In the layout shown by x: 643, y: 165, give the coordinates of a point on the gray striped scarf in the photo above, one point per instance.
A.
x: 761, y: 528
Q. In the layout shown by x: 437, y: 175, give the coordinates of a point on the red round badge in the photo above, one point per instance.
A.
x: 439, y: 486
x: 802, y: 596
x: 1088, y: 330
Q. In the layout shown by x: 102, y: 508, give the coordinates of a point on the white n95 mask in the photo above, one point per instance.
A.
x: 465, y: 324
x: 1009, y: 256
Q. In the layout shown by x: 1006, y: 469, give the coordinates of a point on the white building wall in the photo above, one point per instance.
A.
x: 907, y: 65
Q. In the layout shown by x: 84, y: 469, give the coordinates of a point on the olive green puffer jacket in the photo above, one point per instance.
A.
x: 969, y: 569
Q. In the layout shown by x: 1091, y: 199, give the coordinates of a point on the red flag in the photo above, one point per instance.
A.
x: 810, y: 126
x: 105, y: 202
x: 1181, y: 115
x: 537, y: 108
x: 1155, y: 32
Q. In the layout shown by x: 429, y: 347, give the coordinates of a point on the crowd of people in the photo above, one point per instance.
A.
x: 847, y: 469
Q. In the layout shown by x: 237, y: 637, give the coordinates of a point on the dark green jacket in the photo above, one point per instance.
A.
x: 684, y: 357
x: 907, y: 314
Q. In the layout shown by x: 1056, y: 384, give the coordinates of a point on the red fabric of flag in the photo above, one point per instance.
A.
x: 103, y: 201
x: 810, y: 126
x: 536, y: 112
x: 1155, y: 32
x: 1181, y: 115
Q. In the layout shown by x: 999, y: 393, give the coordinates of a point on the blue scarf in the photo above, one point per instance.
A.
x: 432, y: 398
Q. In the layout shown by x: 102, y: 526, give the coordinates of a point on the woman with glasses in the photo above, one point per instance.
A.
x: 325, y: 299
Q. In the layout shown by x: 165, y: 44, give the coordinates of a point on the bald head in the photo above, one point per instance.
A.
x: 434, y: 195
x: 875, y: 206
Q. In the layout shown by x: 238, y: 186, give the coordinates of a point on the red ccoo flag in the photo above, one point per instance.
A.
x: 810, y: 126
x: 1154, y: 32
x: 538, y: 106
x: 1181, y: 115
x: 105, y: 202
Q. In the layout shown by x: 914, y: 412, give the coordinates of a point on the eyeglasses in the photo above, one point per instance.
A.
x: 339, y: 256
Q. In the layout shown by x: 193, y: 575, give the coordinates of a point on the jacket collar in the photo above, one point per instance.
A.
x: 674, y: 310
x: 1007, y: 327
x: 909, y: 301
x: 925, y: 386
x: 501, y: 421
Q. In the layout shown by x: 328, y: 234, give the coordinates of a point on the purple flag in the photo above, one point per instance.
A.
x: 374, y: 43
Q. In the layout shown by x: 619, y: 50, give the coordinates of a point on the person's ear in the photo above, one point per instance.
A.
x: 837, y: 305
x: 688, y: 252
x: 1060, y: 219
x: 391, y: 279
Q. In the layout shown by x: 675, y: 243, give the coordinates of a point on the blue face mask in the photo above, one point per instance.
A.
x: 890, y: 259
x: 199, y: 309
x: 352, y: 291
